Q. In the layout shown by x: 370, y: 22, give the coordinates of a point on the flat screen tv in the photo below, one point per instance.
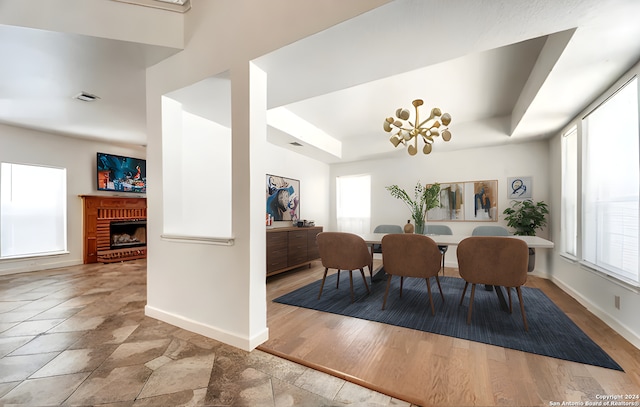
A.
x: 121, y: 174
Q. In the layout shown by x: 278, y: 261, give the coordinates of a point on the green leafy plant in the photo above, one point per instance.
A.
x: 424, y: 198
x: 526, y: 216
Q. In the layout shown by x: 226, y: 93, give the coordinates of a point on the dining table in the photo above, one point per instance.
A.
x: 534, y: 242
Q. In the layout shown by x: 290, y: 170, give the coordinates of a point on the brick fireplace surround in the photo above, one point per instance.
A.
x: 98, y: 214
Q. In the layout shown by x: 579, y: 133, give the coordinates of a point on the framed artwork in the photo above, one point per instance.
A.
x: 283, y: 198
x: 467, y: 201
x: 519, y: 187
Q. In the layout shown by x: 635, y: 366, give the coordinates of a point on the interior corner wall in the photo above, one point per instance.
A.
x: 78, y: 156
x: 489, y: 163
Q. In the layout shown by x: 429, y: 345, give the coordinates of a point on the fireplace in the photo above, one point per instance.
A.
x: 125, y: 234
x: 114, y: 228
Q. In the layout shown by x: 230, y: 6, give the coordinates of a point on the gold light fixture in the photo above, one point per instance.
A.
x: 428, y: 129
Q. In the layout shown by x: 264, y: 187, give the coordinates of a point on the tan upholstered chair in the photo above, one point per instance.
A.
x: 411, y: 255
x: 343, y: 251
x: 493, y: 260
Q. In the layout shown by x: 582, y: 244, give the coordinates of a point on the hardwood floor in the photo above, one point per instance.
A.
x: 428, y: 369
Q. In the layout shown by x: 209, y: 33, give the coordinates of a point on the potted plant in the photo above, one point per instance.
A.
x: 526, y: 217
x: 424, y: 198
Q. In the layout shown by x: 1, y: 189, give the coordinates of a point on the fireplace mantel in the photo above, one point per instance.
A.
x: 98, y: 213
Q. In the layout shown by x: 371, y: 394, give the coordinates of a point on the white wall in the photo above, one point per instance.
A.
x: 314, y: 183
x: 592, y: 289
x: 219, y: 291
x: 493, y: 163
x: 23, y: 146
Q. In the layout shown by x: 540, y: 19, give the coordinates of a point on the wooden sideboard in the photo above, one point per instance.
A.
x: 291, y: 247
x: 98, y: 214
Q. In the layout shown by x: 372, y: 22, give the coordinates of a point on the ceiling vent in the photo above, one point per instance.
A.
x: 295, y: 143
x: 86, y: 97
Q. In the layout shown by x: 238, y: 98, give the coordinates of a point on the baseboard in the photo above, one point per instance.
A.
x: 241, y: 342
x: 27, y: 266
x: 599, y: 312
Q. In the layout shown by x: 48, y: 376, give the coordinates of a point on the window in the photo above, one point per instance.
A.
x: 610, y: 185
x: 569, y: 208
x: 33, y: 210
x: 353, y: 203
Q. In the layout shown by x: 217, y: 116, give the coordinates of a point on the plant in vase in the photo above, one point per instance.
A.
x: 526, y: 217
x: 424, y: 199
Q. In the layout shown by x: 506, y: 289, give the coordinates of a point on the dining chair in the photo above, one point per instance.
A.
x: 490, y: 231
x: 344, y: 251
x: 377, y: 248
x: 439, y: 230
x: 493, y: 260
x: 411, y: 255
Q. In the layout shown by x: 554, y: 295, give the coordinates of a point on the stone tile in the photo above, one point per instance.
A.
x: 179, y: 349
x: 6, y: 306
x: 158, y: 362
x: 287, y: 395
x: 7, y: 325
x: 136, y: 353
x: 179, y: 375
x: 11, y: 343
x: 74, y: 324
x: 352, y: 393
x: 102, y: 336
x: 32, y: 327
x: 75, y: 361
x: 14, y: 368
x: 48, y: 391
x: 320, y: 383
x: 277, y: 367
x: 185, y: 398
x: 121, y: 384
x: 48, y: 343
x: 7, y: 387
x: 17, y: 316
x: 56, y: 312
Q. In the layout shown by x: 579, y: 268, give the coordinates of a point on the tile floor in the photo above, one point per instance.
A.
x: 79, y: 336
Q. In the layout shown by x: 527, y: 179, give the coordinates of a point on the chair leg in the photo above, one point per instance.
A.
x: 433, y: 310
x: 464, y: 292
x: 509, y: 295
x: 324, y: 277
x: 443, y: 264
x: 338, y: 279
x: 440, y: 288
x: 473, y: 292
x: 401, y: 283
x: 386, y: 293
x: 351, y: 284
x: 365, y: 281
x: 524, y: 315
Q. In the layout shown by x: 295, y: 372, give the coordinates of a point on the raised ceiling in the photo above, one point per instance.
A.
x: 505, y: 71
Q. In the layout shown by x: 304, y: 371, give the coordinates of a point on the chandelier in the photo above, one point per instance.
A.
x: 428, y: 129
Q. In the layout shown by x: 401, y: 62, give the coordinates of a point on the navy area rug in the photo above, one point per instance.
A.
x: 551, y: 332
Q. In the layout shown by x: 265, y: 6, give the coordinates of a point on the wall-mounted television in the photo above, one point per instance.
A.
x: 121, y: 174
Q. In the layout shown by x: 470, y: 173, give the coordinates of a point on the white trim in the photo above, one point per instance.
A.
x: 600, y: 313
x: 241, y: 342
x: 22, y: 268
x: 221, y: 241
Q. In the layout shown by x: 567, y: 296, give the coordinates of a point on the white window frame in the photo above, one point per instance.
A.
x: 33, y: 210
x: 597, y: 209
x: 353, y: 203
